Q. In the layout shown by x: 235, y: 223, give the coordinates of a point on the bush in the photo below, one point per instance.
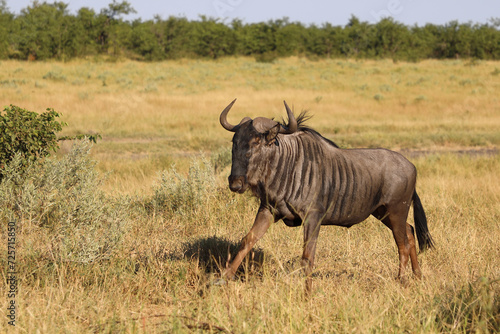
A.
x: 63, y: 199
x: 27, y: 133
x: 175, y: 193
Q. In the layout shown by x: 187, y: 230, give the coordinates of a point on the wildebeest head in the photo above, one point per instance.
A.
x: 250, y: 138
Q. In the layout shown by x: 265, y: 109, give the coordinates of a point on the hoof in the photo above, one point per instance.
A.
x: 219, y: 282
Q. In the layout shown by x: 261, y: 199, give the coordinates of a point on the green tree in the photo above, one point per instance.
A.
x: 174, y: 35
x: 48, y: 31
x: 44, y: 31
x: 7, y: 32
x: 421, y: 43
x: 143, y: 41
x: 390, y: 39
x: 465, y: 35
x: 325, y: 41
x: 447, y: 40
x: 486, y: 42
x: 86, y: 22
x: 213, y: 39
x: 290, y: 37
x: 257, y: 38
x: 112, y: 30
x: 359, y: 38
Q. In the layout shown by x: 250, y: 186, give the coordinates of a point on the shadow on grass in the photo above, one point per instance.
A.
x: 213, y: 253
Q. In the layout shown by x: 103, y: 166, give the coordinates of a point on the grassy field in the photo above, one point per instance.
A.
x: 135, y: 243
x: 153, y: 115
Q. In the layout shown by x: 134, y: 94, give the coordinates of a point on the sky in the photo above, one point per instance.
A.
x: 409, y: 12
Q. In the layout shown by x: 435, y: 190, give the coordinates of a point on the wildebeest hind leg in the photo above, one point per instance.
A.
x: 413, y: 251
x: 397, y: 224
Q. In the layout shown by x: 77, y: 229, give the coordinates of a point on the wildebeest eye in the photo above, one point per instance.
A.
x: 255, y: 142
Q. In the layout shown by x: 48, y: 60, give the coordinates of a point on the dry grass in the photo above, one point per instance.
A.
x: 154, y: 114
x: 158, y: 278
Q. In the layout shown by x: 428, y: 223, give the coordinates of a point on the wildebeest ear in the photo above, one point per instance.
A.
x: 272, y: 134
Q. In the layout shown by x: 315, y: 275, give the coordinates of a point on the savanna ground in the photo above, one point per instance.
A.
x: 132, y: 242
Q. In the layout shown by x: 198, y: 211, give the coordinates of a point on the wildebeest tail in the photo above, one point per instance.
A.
x: 423, y: 235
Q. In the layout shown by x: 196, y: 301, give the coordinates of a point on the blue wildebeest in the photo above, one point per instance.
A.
x: 305, y: 179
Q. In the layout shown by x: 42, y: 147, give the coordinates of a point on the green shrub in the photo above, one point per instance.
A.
x: 31, y: 135
x: 54, y: 76
x: 27, y: 133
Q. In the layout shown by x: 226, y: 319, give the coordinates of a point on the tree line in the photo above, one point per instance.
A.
x: 49, y: 31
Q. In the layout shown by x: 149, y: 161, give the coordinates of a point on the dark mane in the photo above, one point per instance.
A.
x: 301, y: 119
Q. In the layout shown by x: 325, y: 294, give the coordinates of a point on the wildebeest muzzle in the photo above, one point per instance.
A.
x: 238, y: 183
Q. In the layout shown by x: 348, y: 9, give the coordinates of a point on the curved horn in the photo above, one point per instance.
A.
x: 292, y: 122
x: 223, y: 119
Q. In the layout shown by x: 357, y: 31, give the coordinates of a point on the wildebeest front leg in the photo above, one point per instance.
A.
x: 262, y: 222
x: 311, y: 232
